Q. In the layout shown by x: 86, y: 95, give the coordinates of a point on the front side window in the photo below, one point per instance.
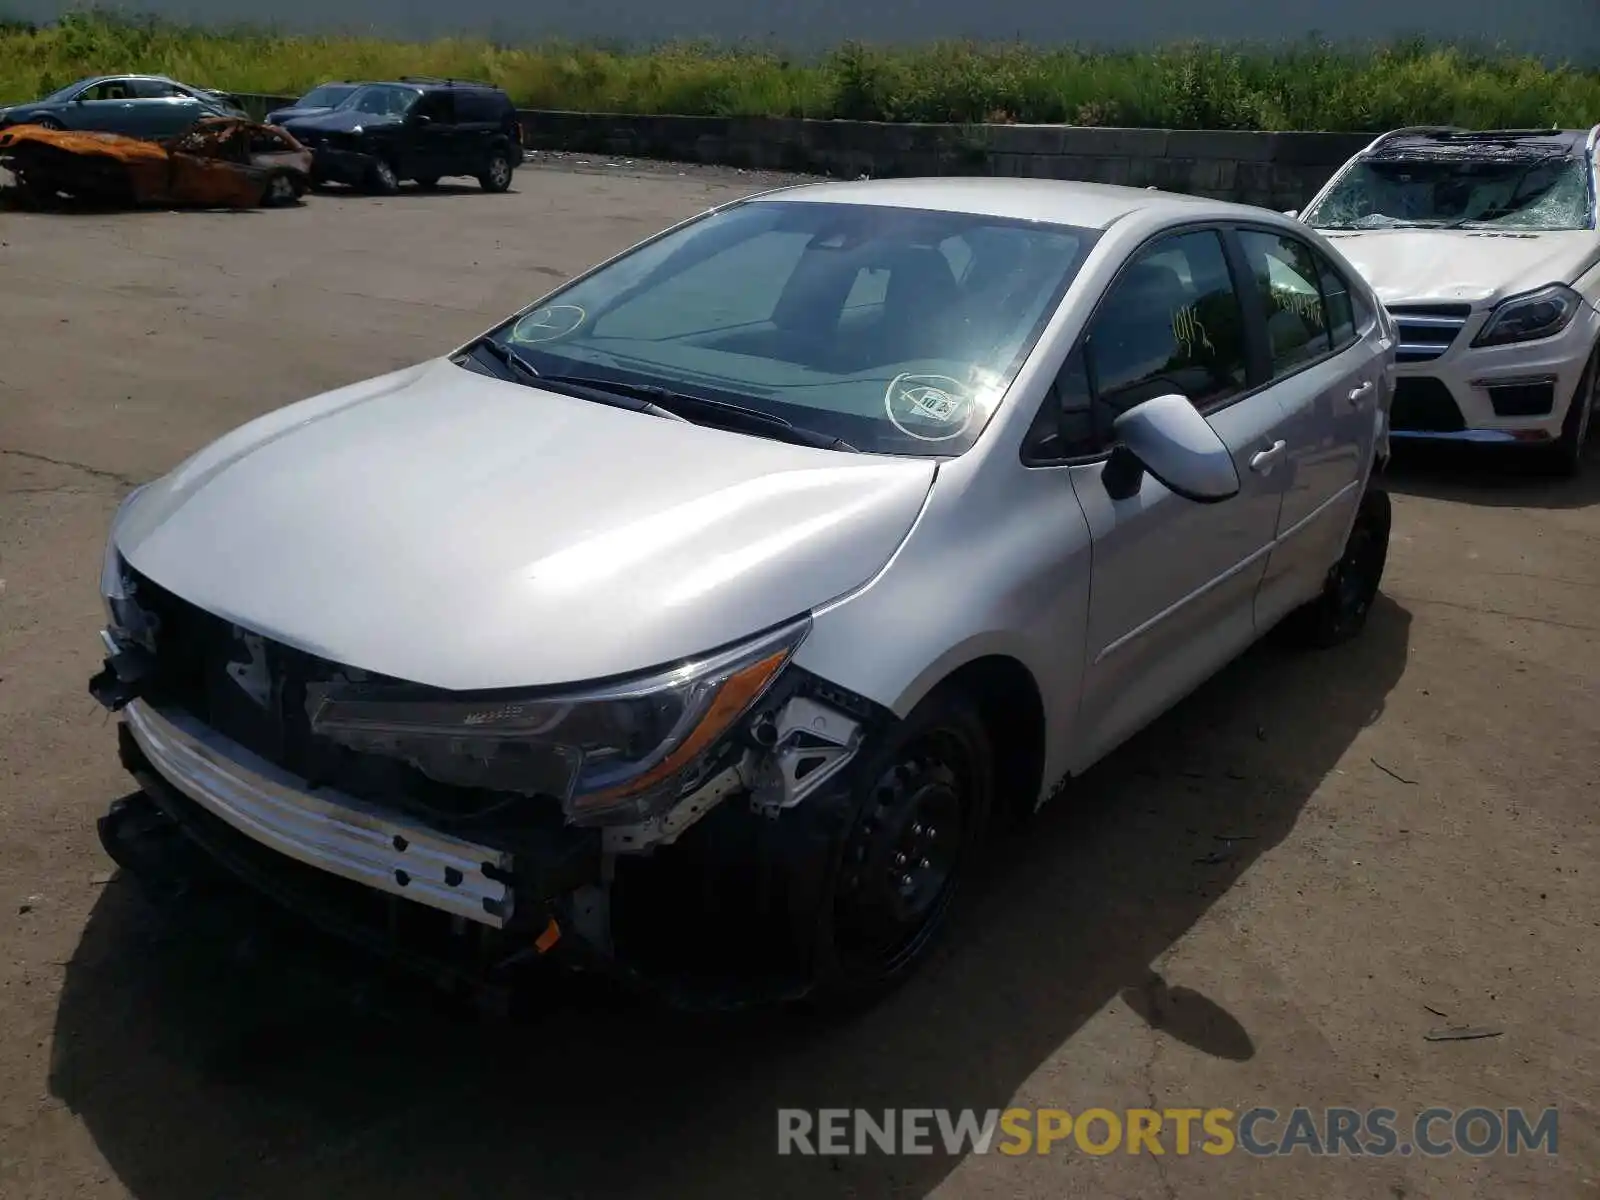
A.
x: 381, y: 100
x: 1286, y: 278
x: 111, y: 89
x: 895, y: 329
x: 326, y: 96
x: 1171, y: 324
x: 1515, y: 191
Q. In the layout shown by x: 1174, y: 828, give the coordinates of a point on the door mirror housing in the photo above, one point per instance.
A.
x: 1292, y: 213
x: 1169, y: 438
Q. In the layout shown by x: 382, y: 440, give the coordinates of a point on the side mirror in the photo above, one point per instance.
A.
x: 1292, y: 213
x: 1169, y: 438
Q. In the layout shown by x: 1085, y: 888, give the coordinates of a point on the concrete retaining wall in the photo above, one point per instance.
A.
x: 1276, y: 170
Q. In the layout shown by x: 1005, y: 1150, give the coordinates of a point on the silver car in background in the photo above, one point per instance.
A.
x: 697, y: 622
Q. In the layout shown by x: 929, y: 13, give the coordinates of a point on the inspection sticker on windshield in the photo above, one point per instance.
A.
x: 930, y: 408
x: 548, y: 323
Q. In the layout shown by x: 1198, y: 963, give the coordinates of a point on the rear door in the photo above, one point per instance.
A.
x: 1174, y: 581
x: 162, y: 109
x: 478, y: 121
x: 431, y: 137
x: 1327, y: 380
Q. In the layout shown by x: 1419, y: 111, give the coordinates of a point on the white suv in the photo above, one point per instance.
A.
x: 1484, y: 248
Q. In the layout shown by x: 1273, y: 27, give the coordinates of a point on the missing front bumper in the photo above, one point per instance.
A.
x: 331, y: 832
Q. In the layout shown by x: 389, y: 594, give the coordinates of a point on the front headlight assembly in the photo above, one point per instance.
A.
x: 1534, y: 315
x: 612, y: 754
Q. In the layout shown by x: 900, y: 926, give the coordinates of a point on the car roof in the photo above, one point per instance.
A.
x: 428, y: 83
x: 1059, y: 201
x: 92, y: 79
x: 1446, y: 143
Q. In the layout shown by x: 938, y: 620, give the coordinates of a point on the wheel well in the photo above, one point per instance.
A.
x: 1013, y: 714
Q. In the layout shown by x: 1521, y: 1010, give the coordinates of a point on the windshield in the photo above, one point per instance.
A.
x: 897, y: 330
x: 381, y: 100
x: 326, y: 96
x: 61, y: 94
x: 1545, y: 193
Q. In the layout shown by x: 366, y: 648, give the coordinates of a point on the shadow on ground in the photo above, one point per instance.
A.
x: 204, y: 1075
x: 1497, y: 476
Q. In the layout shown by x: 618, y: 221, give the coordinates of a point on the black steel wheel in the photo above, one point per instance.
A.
x: 1340, y: 612
x: 918, y: 818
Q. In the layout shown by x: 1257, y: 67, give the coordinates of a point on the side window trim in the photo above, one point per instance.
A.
x: 1233, y: 255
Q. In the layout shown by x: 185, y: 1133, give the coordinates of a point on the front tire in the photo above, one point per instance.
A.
x: 1351, y: 585
x: 916, y: 823
x: 1567, y: 453
x: 281, y: 191
x: 382, y: 180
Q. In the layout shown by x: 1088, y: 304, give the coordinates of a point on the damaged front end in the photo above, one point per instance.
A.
x: 671, y: 830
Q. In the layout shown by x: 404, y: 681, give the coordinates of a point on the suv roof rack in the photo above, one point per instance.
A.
x: 448, y: 82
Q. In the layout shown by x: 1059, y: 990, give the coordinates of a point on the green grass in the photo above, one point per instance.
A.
x: 1307, y: 86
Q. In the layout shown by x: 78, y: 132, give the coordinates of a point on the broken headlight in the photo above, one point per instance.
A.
x: 614, y: 753
x: 124, y: 619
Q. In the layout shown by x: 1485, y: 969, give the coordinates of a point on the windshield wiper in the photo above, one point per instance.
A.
x: 568, y: 386
x: 711, y: 411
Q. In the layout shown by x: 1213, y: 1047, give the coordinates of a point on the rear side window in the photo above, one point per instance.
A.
x: 481, y: 108
x: 1288, y: 279
x: 435, y: 106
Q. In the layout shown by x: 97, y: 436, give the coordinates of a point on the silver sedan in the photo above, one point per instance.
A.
x: 698, y: 621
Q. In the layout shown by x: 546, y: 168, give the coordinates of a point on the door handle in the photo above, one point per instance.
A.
x: 1357, y: 395
x: 1264, y: 460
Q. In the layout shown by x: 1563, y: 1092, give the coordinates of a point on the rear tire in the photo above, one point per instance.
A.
x: 496, y: 175
x: 914, y: 827
x: 1567, y: 454
x: 1340, y: 612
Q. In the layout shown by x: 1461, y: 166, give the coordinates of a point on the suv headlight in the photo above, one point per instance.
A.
x: 611, y: 754
x: 1524, y: 318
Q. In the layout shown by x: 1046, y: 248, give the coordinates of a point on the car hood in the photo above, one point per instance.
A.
x: 446, y: 528
x: 342, y: 121
x: 296, y: 114
x: 1476, y: 266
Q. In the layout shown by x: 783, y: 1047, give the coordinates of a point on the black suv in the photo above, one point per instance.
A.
x: 414, y: 128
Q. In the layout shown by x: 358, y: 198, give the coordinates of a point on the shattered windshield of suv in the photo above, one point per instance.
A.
x: 1531, y: 193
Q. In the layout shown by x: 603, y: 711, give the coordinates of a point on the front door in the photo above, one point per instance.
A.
x: 1174, y: 581
x: 102, y: 107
